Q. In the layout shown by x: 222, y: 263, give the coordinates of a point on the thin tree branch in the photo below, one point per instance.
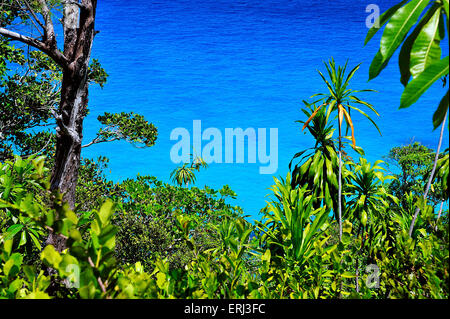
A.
x: 439, y: 215
x: 97, y: 141
x: 34, y: 16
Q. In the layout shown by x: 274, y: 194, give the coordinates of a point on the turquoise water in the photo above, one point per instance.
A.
x: 241, y: 64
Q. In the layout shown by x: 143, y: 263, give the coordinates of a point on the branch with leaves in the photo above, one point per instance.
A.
x: 130, y: 127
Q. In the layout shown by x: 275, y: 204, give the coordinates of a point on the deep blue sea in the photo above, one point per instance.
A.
x: 240, y: 63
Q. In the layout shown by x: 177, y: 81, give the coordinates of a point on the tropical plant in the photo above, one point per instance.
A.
x: 185, y: 174
x: 317, y: 166
x: 22, y: 179
x: 342, y: 99
x: 291, y: 222
x: 368, y: 190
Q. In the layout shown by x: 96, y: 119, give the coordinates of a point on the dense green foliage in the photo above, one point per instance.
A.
x: 161, y: 241
x: 333, y: 227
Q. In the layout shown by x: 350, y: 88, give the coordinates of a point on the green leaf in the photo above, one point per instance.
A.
x: 106, y: 238
x: 7, y: 246
x: 35, y: 241
x: 51, y: 256
x: 106, y: 212
x: 38, y: 295
x: 23, y: 238
x: 404, y: 57
x: 347, y: 227
x: 348, y: 274
x: 423, y: 81
x: 439, y: 115
x: 426, y: 49
x: 12, y: 231
x: 12, y: 265
x: 364, y: 218
x: 160, y: 280
x: 399, y: 26
x: 377, y: 65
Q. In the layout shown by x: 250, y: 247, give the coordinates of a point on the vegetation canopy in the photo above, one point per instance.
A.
x: 335, y: 225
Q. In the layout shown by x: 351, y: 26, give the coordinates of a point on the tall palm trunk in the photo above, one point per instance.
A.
x: 430, y: 179
x: 340, y: 186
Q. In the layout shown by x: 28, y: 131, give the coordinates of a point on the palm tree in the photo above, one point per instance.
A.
x: 317, y: 166
x: 342, y: 99
x: 185, y: 174
x: 368, y: 203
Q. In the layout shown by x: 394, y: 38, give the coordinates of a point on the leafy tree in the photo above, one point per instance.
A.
x: 410, y: 165
x: 78, y: 22
x: 93, y: 187
x: 57, y: 87
x: 28, y: 94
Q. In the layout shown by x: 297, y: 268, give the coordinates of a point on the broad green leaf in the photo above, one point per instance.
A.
x: 364, y: 218
x: 38, y: 295
x: 399, y: 26
x: 426, y: 49
x: 12, y: 265
x: 106, y: 212
x: 51, y: 256
x: 347, y: 227
x: 377, y: 65
x: 7, y: 246
x: 23, y: 238
x: 423, y: 81
x: 404, y: 57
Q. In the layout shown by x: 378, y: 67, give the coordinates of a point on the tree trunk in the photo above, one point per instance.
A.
x: 79, y: 34
x: 430, y: 179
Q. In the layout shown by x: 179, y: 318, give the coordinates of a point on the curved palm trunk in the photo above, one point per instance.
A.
x: 430, y: 179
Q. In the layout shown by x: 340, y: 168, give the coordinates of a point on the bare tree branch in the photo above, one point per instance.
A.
x: 54, y: 53
x: 23, y: 38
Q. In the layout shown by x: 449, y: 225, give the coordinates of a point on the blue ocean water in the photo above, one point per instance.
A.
x: 240, y: 63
